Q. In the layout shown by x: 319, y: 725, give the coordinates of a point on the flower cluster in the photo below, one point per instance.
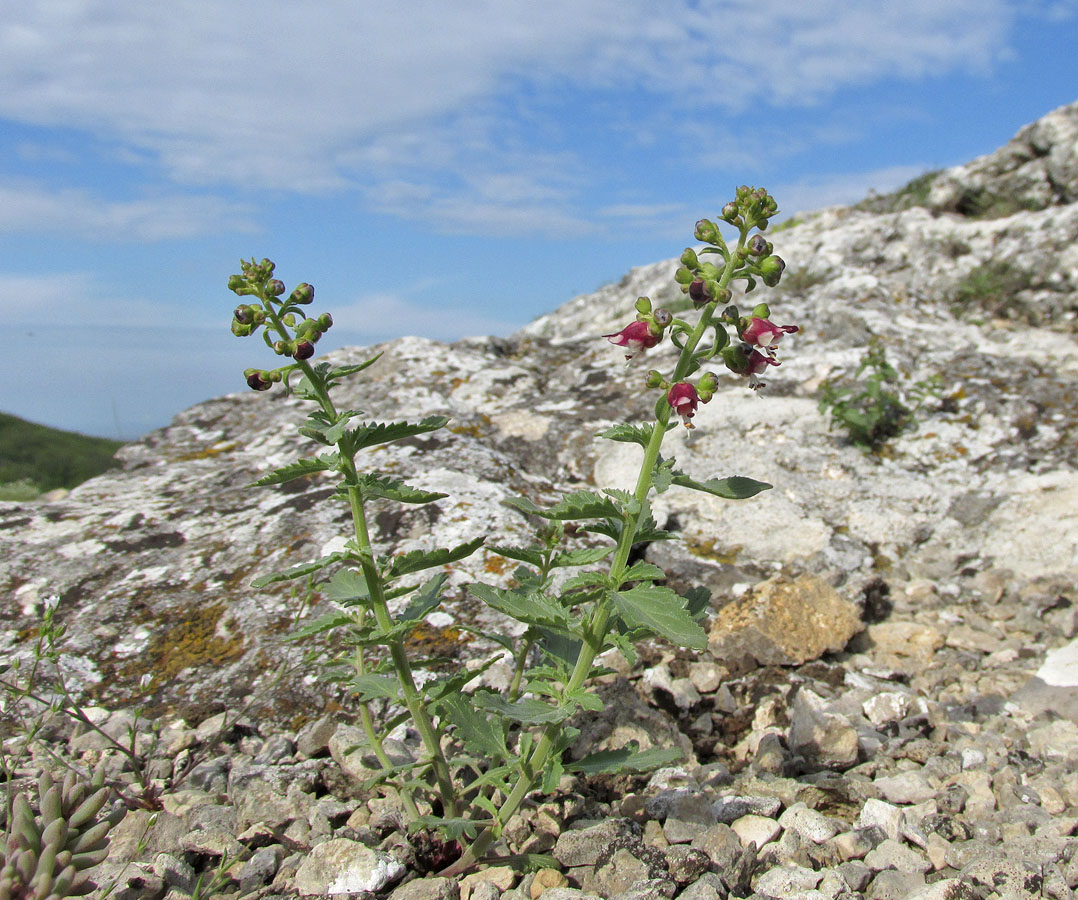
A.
x: 707, y: 284
x: 257, y: 281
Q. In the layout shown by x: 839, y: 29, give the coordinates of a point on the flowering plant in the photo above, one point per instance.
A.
x: 483, y: 752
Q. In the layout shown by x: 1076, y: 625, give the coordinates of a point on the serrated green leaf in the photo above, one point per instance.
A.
x: 370, y: 687
x: 426, y: 599
x: 527, y: 711
x: 417, y: 560
x: 386, y: 488
x: 449, y: 685
x: 663, y: 475
x: 299, y: 469
x: 346, y: 586
x: 480, y: 733
x: 552, y: 773
x: 628, y: 758
x: 642, y: 571
x: 582, y: 505
x: 736, y: 487
x: 585, y: 580
x: 647, y: 530
x: 370, y: 434
x: 451, y: 829
x: 299, y: 571
x: 344, y: 371
x: 697, y: 601
x: 534, y: 608
x: 631, y: 434
x: 661, y: 610
x: 584, y: 556
x: 328, y: 622
x: 523, y: 554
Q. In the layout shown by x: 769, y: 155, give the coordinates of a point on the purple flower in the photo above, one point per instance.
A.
x: 635, y: 336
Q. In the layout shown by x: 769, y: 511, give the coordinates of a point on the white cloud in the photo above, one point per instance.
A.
x: 290, y: 96
x: 75, y: 299
x: 27, y: 206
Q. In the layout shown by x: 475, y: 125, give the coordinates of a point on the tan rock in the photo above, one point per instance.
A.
x: 784, y: 622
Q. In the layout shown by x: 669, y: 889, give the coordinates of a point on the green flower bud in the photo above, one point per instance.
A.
x: 761, y: 311
x: 655, y: 379
x: 643, y: 305
x: 729, y: 212
x: 683, y: 276
x: 274, y: 287
x: 325, y: 322
x: 266, y: 267
x: 707, y: 231
x: 244, y: 314
x: 723, y: 296
x: 236, y: 283
x: 282, y: 348
x: 689, y: 258
x: 662, y: 318
x: 730, y: 314
x: 302, y: 294
x: 707, y: 385
x: 771, y: 270
x: 241, y: 330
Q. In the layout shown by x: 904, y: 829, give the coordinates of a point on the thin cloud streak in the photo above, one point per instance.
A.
x: 29, y: 207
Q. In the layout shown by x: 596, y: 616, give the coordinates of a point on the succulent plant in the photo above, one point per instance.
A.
x: 47, y: 855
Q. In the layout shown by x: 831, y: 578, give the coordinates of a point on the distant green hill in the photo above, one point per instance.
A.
x: 43, y: 458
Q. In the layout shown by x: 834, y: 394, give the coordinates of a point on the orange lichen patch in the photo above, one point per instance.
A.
x: 193, y: 640
x: 426, y: 641
x: 208, y: 452
x: 496, y: 565
x: 707, y: 549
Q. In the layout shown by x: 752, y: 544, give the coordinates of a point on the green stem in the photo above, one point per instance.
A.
x: 376, y: 589
x: 600, y: 623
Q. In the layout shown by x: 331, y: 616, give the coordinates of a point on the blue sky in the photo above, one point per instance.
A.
x: 434, y: 168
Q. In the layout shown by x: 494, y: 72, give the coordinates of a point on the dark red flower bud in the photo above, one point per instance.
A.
x: 244, y: 315
x: 256, y: 382
x: 698, y: 291
x: 757, y: 245
x: 304, y: 350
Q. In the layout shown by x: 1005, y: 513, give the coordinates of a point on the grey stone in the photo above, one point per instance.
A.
x: 584, y: 846
x: 894, y: 855
x: 729, y: 809
x: 429, y: 888
x: 884, y: 816
x: 708, y: 886
x: 905, y: 788
x: 808, y: 823
x: 259, y: 869
x: 782, y: 882
x: 890, y: 884
x: 825, y: 738
x: 341, y: 866
x: 685, y: 864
